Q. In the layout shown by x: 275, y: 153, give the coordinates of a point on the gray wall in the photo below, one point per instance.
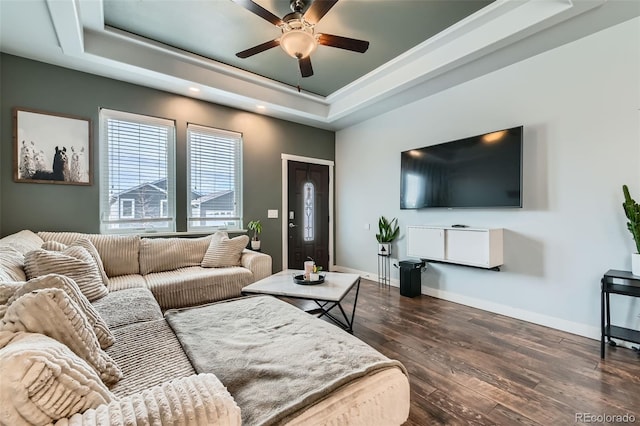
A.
x: 35, y: 85
x: 580, y: 109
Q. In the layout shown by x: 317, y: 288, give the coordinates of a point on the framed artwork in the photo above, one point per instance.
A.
x: 51, y: 148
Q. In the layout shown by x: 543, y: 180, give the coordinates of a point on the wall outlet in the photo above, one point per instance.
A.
x: 367, y: 226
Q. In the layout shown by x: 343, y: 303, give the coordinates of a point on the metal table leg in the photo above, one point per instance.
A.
x: 347, y: 324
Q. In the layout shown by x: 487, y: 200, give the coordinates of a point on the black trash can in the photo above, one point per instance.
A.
x: 410, y: 282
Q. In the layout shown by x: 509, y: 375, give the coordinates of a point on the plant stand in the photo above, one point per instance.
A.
x: 384, y: 267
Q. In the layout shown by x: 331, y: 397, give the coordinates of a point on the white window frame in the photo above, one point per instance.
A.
x: 133, y: 208
x: 145, y: 224
x: 164, y: 206
x: 238, y: 191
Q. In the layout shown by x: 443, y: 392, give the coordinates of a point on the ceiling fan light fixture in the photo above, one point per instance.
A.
x: 298, y: 42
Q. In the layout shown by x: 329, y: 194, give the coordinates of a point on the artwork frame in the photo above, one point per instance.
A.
x: 51, y: 148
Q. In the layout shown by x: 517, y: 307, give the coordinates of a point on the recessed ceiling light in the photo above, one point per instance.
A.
x: 194, y: 89
x: 261, y: 107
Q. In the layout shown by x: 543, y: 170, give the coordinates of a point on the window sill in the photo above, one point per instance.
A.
x: 188, y: 234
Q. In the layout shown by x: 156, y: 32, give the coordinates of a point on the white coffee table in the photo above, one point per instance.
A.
x: 327, y: 295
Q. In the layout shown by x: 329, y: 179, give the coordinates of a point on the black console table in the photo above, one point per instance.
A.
x: 617, y: 282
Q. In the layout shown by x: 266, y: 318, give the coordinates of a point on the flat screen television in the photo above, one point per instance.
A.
x: 476, y: 172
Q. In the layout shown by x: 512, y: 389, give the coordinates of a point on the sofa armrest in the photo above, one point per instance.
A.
x: 199, y: 399
x: 258, y: 263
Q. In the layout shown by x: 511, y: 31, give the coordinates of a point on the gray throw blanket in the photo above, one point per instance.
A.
x: 273, y: 358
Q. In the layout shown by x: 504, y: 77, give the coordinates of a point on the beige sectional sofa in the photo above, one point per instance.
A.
x: 170, y: 267
x: 253, y: 361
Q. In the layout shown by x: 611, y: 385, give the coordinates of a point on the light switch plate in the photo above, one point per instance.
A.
x: 272, y: 214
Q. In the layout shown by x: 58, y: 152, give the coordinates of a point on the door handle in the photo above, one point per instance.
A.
x: 292, y: 225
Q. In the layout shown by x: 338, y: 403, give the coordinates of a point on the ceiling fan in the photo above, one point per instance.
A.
x: 298, y: 37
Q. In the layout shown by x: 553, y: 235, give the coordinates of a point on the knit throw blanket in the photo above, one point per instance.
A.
x: 273, y: 358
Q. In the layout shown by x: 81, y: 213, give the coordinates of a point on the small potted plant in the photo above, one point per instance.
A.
x: 632, y: 211
x: 389, y: 231
x: 256, y: 227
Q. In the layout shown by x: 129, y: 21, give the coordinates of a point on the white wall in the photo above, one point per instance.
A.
x: 580, y: 107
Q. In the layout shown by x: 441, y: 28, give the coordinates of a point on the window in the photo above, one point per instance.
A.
x: 309, y: 210
x: 127, y: 208
x: 137, y: 188
x: 215, y: 178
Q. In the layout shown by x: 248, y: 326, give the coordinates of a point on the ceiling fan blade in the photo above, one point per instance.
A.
x: 343, y: 42
x: 259, y: 48
x: 317, y: 10
x: 260, y: 11
x: 305, y: 66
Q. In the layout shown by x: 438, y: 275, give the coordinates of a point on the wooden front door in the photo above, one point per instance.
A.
x: 308, y: 214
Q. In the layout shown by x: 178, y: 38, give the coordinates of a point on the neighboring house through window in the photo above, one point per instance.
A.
x: 137, y: 188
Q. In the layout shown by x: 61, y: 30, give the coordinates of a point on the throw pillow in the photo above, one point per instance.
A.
x: 43, y: 380
x: 104, y: 335
x: 53, y: 313
x: 86, y: 244
x: 53, y: 246
x: 74, y: 262
x: 7, y: 290
x: 12, y: 264
x: 23, y: 241
x: 224, y: 251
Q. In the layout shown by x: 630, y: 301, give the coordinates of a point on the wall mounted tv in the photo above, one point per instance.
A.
x: 476, y: 172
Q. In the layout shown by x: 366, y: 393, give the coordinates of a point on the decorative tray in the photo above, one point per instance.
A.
x: 299, y: 279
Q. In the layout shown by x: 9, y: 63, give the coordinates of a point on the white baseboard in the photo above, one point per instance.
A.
x: 368, y: 275
x: 521, y: 314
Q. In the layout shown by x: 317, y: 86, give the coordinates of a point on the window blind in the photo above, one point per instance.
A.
x: 137, y: 173
x: 215, y: 178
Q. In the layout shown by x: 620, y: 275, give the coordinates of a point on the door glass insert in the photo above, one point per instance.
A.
x: 309, y: 210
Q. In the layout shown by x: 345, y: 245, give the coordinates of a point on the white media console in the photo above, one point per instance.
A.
x: 479, y: 247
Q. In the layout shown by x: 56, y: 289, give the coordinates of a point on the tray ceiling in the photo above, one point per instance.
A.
x: 418, y: 47
x: 219, y: 29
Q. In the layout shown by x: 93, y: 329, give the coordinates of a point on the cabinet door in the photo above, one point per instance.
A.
x: 468, y: 247
x: 425, y: 243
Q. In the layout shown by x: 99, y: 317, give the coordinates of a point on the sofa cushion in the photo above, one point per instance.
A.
x: 196, y: 285
x: 116, y: 307
x: 166, y: 254
x: 150, y: 354
x: 100, y: 327
x: 124, y: 282
x: 23, y: 241
x: 74, y: 262
x: 43, y: 380
x: 195, y: 400
x: 274, y: 358
x: 224, y: 251
x: 119, y: 253
x: 11, y: 264
x: 84, y: 243
x: 53, y: 313
x: 61, y: 237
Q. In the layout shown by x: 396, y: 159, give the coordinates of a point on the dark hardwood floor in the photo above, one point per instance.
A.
x: 468, y: 366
